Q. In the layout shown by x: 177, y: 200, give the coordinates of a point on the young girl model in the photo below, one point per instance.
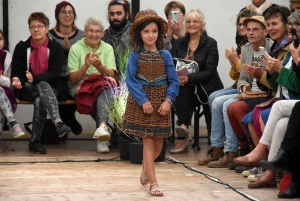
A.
x: 153, y: 85
x: 8, y: 102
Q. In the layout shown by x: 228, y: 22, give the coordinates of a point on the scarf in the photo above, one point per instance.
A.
x: 281, y: 44
x: 261, y: 9
x: 116, y: 35
x: 10, y: 95
x: 38, y: 59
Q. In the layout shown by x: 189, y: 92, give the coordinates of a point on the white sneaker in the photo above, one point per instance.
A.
x: 102, y: 147
x: 255, y: 177
x: 102, y: 133
x: 254, y: 170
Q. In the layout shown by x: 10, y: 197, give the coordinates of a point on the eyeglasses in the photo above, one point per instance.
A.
x: 240, y: 25
x: 38, y: 27
x: 194, y: 21
x: 291, y: 25
x: 119, y: 1
x: 254, y: 30
x: 91, y: 31
x: 70, y: 12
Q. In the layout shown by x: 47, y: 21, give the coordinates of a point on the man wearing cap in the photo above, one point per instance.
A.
x: 256, y: 33
x: 118, y: 16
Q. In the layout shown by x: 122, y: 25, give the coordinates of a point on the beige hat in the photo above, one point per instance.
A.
x: 256, y: 18
x: 148, y: 15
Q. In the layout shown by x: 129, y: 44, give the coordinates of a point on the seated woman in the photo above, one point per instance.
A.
x: 287, y: 157
x: 66, y: 33
x: 36, y: 66
x: 92, y: 56
x: 281, y: 110
x: 7, y: 99
x: 175, y: 29
x: 238, y: 110
x: 220, y: 123
x: 195, y: 45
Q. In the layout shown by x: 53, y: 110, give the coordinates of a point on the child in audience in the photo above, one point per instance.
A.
x: 8, y: 104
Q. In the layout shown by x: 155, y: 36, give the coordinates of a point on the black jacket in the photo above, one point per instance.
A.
x: 55, y: 64
x: 207, y: 57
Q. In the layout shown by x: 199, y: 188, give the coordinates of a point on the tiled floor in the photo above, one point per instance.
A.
x: 47, y: 177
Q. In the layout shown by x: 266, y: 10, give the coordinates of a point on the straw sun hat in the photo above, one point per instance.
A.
x: 148, y: 15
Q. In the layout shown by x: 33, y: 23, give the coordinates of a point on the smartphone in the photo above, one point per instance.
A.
x: 264, y: 52
x: 295, y: 37
x: 175, y: 15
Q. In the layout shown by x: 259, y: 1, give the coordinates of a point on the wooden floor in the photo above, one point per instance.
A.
x: 48, y: 178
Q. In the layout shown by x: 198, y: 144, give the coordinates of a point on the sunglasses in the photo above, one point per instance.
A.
x: 119, y: 1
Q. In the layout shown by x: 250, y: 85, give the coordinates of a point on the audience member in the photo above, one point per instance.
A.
x: 36, y: 66
x: 195, y: 45
x: 92, y: 56
x: 66, y: 33
x: 7, y: 98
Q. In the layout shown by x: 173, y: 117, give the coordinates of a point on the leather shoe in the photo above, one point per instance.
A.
x: 280, y: 161
x: 293, y: 191
x: 244, y: 161
x: 261, y: 184
x: 180, y: 150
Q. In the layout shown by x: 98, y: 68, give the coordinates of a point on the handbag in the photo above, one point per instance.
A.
x: 252, y: 94
x: 190, y: 65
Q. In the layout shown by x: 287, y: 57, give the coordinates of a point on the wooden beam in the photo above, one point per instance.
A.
x: 135, y: 8
x: 5, y: 23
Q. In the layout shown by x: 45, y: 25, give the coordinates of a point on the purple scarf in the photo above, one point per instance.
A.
x: 10, y: 95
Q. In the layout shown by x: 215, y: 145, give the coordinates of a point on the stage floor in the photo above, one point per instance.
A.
x: 113, y: 180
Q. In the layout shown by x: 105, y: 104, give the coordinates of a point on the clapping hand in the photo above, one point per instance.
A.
x: 232, y: 56
x: 65, y: 43
x: 29, y: 77
x: 16, y: 83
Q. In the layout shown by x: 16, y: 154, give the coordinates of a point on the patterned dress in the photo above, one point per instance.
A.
x: 152, y: 74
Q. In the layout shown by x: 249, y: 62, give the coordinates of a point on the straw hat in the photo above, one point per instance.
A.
x: 148, y: 15
x: 256, y: 18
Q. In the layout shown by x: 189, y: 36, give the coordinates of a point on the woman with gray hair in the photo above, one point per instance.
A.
x: 92, y: 56
x: 198, y: 46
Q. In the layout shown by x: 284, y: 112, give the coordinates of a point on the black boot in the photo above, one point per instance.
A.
x: 293, y: 191
x: 36, y: 147
x: 280, y: 161
x: 62, y: 129
x: 74, y: 125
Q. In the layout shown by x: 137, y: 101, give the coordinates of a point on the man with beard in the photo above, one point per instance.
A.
x: 118, y: 16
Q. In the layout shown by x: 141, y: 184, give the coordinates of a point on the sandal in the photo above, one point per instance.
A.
x: 155, y: 192
x: 144, y: 178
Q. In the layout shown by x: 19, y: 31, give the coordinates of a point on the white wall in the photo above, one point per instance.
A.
x: 220, y: 16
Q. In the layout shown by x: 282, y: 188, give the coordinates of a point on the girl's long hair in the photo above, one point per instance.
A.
x: 137, y: 42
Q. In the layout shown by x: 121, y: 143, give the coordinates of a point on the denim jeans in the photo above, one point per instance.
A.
x: 221, y: 92
x: 221, y: 125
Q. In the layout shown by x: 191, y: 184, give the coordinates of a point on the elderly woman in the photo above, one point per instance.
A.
x: 66, y: 33
x: 36, y: 66
x: 91, y: 56
x: 195, y: 45
x: 284, y: 77
x: 175, y: 29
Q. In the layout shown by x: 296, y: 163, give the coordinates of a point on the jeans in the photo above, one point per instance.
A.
x: 221, y: 92
x: 220, y: 124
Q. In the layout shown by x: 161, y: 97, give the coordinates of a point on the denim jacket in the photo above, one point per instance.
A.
x: 134, y: 85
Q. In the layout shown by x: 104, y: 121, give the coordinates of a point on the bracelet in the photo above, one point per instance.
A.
x: 169, y: 101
